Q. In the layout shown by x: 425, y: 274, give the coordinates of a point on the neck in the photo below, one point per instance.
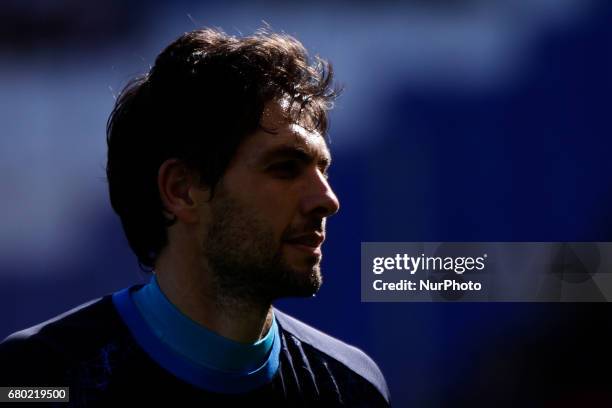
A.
x: 191, y: 289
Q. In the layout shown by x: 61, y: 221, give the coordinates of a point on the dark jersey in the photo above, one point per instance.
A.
x: 92, y: 350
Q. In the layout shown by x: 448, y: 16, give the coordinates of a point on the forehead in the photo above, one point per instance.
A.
x: 277, y: 132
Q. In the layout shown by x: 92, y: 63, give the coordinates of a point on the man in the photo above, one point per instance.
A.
x: 217, y: 167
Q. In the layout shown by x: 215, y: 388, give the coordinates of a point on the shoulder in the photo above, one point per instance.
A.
x: 75, y: 316
x: 351, y: 357
x: 49, y: 347
x: 75, y: 325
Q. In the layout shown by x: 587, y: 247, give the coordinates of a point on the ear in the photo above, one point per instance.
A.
x: 180, y: 191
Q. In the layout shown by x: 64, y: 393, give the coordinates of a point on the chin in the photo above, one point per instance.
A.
x: 300, y: 257
x: 301, y: 281
x: 310, y: 269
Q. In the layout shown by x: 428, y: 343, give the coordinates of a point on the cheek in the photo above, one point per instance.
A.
x: 278, y: 208
x: 275, y: 203
x: 279, y: 211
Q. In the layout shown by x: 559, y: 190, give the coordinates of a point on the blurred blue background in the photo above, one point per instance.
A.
x: 464, y: 120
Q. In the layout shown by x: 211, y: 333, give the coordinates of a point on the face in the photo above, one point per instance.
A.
x: 268, y: 212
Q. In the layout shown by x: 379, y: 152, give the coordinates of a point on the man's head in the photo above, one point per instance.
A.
x: 221, y: 148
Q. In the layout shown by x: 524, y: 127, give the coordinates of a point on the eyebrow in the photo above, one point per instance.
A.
x: 297, y: 153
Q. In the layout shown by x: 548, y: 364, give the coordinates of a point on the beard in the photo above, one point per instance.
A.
x: 246, y: 260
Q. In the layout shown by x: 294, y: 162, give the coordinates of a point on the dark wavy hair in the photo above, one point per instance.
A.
x: 204, y: 94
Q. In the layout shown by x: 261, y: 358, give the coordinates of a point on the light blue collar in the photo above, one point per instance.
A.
x: 183, y: 368
x: 194, y: 341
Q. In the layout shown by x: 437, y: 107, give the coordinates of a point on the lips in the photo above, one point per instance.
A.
x: 313, y: 240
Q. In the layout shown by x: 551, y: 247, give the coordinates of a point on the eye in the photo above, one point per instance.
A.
x: 285, y: 169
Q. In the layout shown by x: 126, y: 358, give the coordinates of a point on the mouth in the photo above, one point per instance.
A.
x: 310, y: 242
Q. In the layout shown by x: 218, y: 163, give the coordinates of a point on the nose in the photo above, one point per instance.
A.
x: 318, y: 197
